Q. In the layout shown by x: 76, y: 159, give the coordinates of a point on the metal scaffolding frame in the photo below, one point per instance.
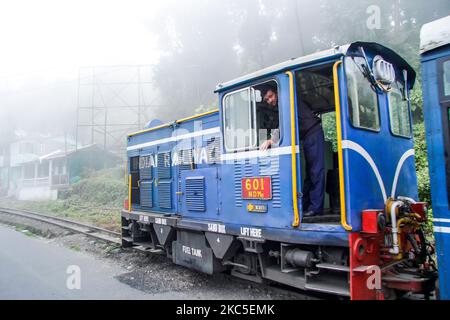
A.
x: 113, y: 101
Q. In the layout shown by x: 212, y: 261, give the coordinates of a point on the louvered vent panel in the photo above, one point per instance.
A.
x: 186, y: 163
x: 147, y: 194
x: 164, y: 168
x: 186, y: 160
x: 195, y: 193
x: 213, y: 150
x: 237, y: 183
x: 145, y: 167
x: 248, y: 168
x: 270, y: 167
x: 165, y: 194
x: 146, y: 174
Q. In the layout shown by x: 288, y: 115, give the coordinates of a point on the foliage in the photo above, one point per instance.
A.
x: 420, y: 148
x: 329, y: 128
x: 94, y: 199
x: 207, y: 42
x: 416, y: 100
x: 102, y: 188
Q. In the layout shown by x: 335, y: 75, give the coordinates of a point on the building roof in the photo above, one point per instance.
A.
x: 435, y: 34
x: 62, y: 153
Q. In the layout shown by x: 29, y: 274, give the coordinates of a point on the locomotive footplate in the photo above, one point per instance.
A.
x: 149, y: 218
x: 148, y: 230
x: 410, y: 282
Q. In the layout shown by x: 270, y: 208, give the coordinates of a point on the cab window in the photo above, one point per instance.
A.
x: 239, y: 120
x: 362, y: 98
x: 446, y: 77
x: 399, y: 115
x: 251, y: 117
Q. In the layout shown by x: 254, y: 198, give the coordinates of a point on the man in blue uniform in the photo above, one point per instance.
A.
x: 312, y: 138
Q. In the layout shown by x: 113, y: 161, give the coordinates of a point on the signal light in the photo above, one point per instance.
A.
x: 372, y: 221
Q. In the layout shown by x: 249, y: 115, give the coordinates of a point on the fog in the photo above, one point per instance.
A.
x: 58, y: 57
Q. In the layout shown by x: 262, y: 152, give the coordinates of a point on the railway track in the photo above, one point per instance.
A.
x: 78, y: 227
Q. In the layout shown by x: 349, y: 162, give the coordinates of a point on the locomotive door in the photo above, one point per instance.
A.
x: 146, y: 182
x: 133, y: 181
x: 341, y: 134
x: 320, y: 136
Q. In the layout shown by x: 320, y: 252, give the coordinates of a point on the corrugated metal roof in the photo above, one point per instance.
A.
x: 435, y: 34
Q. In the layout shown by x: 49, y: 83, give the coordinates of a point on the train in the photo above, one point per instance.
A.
x: 212, y: 195
x: 435, y: 62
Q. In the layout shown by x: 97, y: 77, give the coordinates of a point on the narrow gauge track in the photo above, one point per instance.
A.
x: 115, y: 237
x: 78, y: 227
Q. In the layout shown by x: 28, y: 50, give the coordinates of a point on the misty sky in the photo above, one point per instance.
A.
x: 44, y: 44
x: 51, y: 39
x: 193, y: 44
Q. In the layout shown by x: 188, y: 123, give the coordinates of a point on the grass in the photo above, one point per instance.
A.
x: 75, y: 247
x: 26, y: 232
x: 95, y: 199
x: 108, y: 218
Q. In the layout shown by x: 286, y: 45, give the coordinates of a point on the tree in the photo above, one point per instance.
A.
x: 206, y: 42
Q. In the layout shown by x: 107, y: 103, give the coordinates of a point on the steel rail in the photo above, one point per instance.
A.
x: 79, y: 227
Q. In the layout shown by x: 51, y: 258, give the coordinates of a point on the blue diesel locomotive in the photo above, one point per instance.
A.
x: 435, y: 51
x: 203, y: 190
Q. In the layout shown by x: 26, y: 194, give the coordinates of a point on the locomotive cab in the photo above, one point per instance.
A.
x: 362, y: 102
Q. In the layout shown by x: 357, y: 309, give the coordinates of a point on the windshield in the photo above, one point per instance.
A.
x: 399, y: 117
x: 362, y: 98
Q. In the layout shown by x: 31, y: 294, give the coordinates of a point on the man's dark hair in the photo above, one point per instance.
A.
x: 268, y: 87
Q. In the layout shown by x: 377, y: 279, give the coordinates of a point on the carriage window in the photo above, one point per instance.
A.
x: 239, y: 127
x: 399, y: 113
x: 446, y: 77
x: 362, y: 99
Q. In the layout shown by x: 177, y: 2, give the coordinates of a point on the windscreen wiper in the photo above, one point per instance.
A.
x: 367, y: 71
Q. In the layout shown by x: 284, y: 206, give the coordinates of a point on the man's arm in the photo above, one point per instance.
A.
x: 273, y: 141
x: 275, y: 136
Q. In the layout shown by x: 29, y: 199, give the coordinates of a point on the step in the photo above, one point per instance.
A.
x: 147, y: 249
x: 341, y: 289
x: 329, y: 218
x: 127, y: 239
x: 333, y: 267
x: 362, y: 268
x: 145, y: 244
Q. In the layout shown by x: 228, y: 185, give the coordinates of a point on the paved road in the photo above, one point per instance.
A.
x: 33, y: 268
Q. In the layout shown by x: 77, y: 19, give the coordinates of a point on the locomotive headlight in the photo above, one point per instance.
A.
x: 383, y: 71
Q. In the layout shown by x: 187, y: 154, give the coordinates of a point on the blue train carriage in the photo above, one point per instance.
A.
x: 203, y: 192
x: 435, y: 58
